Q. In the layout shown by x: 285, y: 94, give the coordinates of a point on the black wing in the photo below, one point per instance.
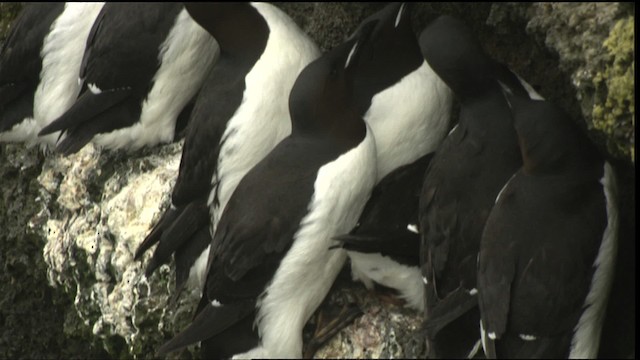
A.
x: 460, y: 187
x: 123, y: 45
x: 536, y: 259
x: 120, y: 59
x: 215, y: 105
x: 255, y: 232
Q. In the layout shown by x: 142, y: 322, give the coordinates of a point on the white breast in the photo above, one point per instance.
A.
x: 61, y: 53
x: 409, y: 119
x: 185, y: 57
x: 586, y: 339
x: 308, y: 270
x: 262, y: 120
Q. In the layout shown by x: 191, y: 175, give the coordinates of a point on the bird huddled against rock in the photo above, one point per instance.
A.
x: 240, y: 115
x: 409, y: 112
x: 270, y: 265
x: 473, y: 163
x: 499, y: 233
x: 548, y: 249
x: 143, y: 64
x: 39, y: 66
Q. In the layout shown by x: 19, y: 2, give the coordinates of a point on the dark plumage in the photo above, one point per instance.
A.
x: 473, y: 163
x: 143, y: 63
x: 537, y: 260
x: 245, y: 91
x: 21, y: 63
x: 383, y: 224
x: 408, y: 108
x: 273, y: 236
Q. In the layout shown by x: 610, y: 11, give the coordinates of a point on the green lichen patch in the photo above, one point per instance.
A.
x: 614, y: 114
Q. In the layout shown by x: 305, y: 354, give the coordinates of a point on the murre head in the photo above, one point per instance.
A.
x: 391, y: 52
x: 237, y: 26
x: 321, y: 101
x: 549, y: 140
x: 455, y: 54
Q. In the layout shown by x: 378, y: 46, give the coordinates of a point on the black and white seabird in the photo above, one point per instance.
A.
x: 21, y: 64
x: 408, y: 108
x: 144, y: 62
x: 270, y: 259
x: 403, y: 100
x: 474, y: 161
x: 548, y: 249
x: 240, y: 115
x: 39, y: 66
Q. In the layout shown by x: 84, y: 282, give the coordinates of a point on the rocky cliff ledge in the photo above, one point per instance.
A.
x: 69, y: 287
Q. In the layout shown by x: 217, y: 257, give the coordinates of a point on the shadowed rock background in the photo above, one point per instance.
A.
x: 69, y: 287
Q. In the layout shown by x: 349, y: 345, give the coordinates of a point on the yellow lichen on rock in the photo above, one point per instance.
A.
x: 615, y: 116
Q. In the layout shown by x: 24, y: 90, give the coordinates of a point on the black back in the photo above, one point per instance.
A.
x: 20, y: 61
x: 222, y: 93
x: 542, y: 237
x: 392, y: 53
x: 217, y: 102
x: 124, y: 43
x: 121, y: 59
x: 260, y: 220
x: 325, y: 125
x: 465, y: 175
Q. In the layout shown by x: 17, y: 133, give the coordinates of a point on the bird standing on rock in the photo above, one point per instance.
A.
x: 460, y: 186
x: 240, y: 115
x: 21, y: 64
x: 144, y: 62
x: 408, y: 108
x: 269, y: 263
x: 548, y: 249
x: 39, y: 66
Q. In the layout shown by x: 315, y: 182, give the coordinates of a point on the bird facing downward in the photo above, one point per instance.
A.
x: 407, y: 106
x: 473, y: 163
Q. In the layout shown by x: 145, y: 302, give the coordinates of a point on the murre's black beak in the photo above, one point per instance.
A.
x: 356, y: 41
x: 393, y: 15
x: 402, y: 15
x: 508, y: 94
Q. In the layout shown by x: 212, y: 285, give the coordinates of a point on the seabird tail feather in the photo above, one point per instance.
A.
x: 213, y: 319
x: 87, y: 107
x: 177, y: 230
x: 488, y: 344
x: 186, y: 255
x: 154, y: 236
x: 449, y: 309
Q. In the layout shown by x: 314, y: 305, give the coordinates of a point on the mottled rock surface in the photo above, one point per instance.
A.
x: 69, y: 287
